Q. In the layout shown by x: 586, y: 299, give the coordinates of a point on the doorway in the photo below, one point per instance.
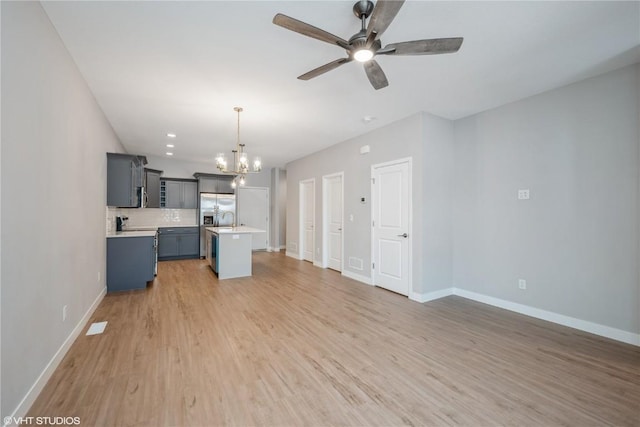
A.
x: 332, y: 220
x: 307, y: 219
x: 391, y: 223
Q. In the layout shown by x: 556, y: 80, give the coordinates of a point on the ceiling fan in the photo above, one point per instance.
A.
x: 366, y: 44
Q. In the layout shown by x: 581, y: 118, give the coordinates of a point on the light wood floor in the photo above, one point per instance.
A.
x: 297, y: 345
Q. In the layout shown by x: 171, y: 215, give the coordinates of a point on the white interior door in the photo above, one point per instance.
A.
x: 307, y: 219
x: 333, y: 221
x: 391, y: 225
x: 253, y: 211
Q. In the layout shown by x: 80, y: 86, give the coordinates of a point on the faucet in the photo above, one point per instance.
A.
x: 233, y: 223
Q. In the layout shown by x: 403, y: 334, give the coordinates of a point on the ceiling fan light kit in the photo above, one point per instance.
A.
x: 365, y: 44
x: 240, y: 160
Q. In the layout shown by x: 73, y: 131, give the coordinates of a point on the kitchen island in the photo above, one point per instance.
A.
x: 229, y: 250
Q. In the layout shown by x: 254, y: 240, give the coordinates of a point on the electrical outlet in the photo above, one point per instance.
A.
x: 523, y: 194
x: 64, y: 313
x: 522, y: 284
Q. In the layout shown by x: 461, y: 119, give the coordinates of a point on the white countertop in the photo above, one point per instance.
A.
x: 234, y: 230
x: 141, y: 233
x: 155, y: 227
x: 140, y: 228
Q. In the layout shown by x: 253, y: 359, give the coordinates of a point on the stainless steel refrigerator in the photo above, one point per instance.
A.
x: 216, y: 210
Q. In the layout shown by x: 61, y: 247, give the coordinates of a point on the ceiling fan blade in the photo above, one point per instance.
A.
x: 375, y: 74
x: 422, y: 47
x: 308, y: 30
x: 382, y: 15
x: 324, y: 68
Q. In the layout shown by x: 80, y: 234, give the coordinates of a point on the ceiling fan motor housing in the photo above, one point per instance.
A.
x: 363, y: 8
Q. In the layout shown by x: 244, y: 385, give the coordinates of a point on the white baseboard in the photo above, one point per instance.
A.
x: 583, y: 325
x: 283, y: 247
x: 318, y: 264
x: 45, y: 375
x: 356, y: 276
x: 430, y: 296
x: 292, y: 254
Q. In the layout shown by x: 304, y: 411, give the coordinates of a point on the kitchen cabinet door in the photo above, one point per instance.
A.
x: 152, y: 179
x: 168, y: 245
x: 173, y: 194
x: 178, y: 194
x: 207, y: 185
x: 130, y: 263
x: 124, y: 179
x: 224, y: 184
x: 190, y: 245
x: 189, y: 195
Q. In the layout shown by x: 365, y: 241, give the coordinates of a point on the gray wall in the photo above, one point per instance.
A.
x: 576, y: 240
x: 54, y: 139
x: 424, y: 138
x: 278, y: 207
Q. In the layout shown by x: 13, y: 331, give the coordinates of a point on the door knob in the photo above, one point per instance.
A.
x: 405, y: 235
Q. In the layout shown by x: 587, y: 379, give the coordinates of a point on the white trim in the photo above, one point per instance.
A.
x: 318, y: 264
x: 301, y: 248
x: 430, y: 296
x: 293, y: 255
x: 283, y: 247
x: 47, y: 372
x: 409, y: 161
x: 325, y: 220
x: 359, y: 277
x: 583, y: 325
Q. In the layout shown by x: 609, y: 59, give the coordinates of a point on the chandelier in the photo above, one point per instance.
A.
x: 240, y: 160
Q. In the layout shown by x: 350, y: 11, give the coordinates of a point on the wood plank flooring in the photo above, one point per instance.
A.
x: 297, y: 345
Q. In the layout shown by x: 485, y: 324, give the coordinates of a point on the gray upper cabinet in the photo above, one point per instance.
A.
x: 190, y: 195
x: 178, y: 194
x: 152, y: 185
x: 125, y: 176
x: 211, y: 183
x: 224, y: 184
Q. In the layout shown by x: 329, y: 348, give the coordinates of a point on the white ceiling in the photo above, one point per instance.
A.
x: 158, y: 67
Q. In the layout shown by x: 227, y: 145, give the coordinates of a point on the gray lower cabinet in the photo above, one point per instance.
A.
x: 178, y: 194
x: 130, y: 263
x: 178, y: 243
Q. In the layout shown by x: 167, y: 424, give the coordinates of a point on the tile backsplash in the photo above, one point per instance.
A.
x: 151, y: 217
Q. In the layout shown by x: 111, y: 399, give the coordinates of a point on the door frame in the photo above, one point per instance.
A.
x: 325, y: 219
x: 268, y: 230
x: 409, y: 161
x: 301, y: 218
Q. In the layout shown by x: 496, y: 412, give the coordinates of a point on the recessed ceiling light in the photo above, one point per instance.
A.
x: 169, y: 153
x: 170, y: 145
x: 171, y: 135
x: 368, y: 119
